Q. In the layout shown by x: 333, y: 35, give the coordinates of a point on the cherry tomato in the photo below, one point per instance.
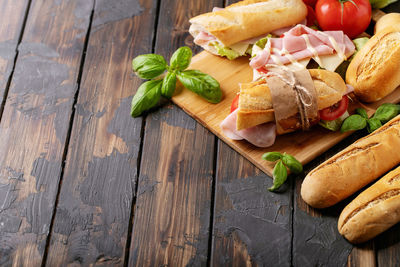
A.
x: 311, y: 17
x: 335, y: 111
x: 235, y: 103
x: 310, y: 2
x: 351, y: 16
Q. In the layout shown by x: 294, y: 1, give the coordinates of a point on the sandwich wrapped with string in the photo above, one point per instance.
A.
x: 282, y: 101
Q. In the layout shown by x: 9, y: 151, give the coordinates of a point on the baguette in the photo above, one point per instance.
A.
x: 373, y: 211
x: 374, y: 72
x: 248, y: 19
x: 354, y: 167
x: 255, y: 104
x: 387, y: 20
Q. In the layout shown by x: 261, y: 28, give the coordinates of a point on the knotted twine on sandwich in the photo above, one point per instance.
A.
x: 294, y: 98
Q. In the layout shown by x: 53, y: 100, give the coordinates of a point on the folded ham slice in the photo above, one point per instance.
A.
x: 302, y: 42
x: 262, y: 135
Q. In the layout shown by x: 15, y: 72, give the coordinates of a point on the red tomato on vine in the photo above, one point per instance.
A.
x: 350, y: 16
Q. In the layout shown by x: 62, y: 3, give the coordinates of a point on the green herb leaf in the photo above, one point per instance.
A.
x: 381, y: 3
x: 386, y: 112
x: 202, y: 84
x: 180, y: 60
x: 149, y: 66
x: 362, y: 112
x: 146, y: 97
x: 272, y: 156
x: 373, y: 124
x: 279, y: 174
x: 353, y: 122
x: 169, y: 84
x: 292, y: 163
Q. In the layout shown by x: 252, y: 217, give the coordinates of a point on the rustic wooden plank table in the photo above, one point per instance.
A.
x: 82, y: 183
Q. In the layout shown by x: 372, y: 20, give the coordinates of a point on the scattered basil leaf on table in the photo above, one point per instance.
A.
x: 202, y: 84
x: 180, y: 60
x: 383, y: 114
x: 146, y: 97
x: 169, y: 84
x: 284, y: 161
x: 151, y: 66
x: 272, y: 156
x: 353, y: 123
x: 362, y: 112
x: 373, y: 124
x: 279, y: 174
x: 292, y: 163
x: 386, y: 112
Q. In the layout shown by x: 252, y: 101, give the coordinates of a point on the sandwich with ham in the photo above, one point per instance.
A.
x: 232, y: 31
x: 283, y: 100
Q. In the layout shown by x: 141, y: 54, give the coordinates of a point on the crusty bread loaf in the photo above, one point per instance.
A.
x: 255, y: 104
x: 374, y: 72
x: 387, y: 20
x: 250, y: 18
x: 354, y: 167
x: 373, y: 211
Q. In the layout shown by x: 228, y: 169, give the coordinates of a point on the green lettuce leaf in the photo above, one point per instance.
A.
x: 381, y: 3
x: 335, y: 124
x: 225, y: 51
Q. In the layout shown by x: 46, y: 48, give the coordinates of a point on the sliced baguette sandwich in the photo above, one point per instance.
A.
x: 353, y: 168
x: 228, y: 32
x: 374, y: 211
x: 255, y: 102
x: 374, y: 72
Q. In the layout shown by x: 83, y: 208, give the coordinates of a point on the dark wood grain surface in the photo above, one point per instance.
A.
x: 82, y: 183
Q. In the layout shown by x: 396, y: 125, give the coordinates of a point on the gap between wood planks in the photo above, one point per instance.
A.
x: 139, y: 158
x: 5, y: 95
x: 65, y: 152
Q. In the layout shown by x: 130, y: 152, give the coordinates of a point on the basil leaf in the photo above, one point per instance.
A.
x: 292, y: 163
x: 279, y: 174
x: 149, y: 66
x: 373, y: 124
x: 146, y: 97
x: 362, y: 112
x: 180, y: 60
x: 202, y: 84
x: 272, y: 156
x: 386, y: 112
x: 169, y: 84
x: 353, y: 122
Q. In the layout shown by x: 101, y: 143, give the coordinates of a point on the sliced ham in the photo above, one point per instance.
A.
x: 203, y: 38
x: 262, y: 58
x: 262, y: 135
x: 302, y: 42
x: 281, y: 31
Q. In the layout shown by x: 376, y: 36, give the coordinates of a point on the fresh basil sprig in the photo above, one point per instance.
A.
x: 360, y: 120
x: 284, y: 162
x: 151, y: 66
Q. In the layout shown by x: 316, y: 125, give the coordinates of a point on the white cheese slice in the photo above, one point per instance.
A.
x: 240, y: 47
x: 331, y: 62
x: 298, y: 65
